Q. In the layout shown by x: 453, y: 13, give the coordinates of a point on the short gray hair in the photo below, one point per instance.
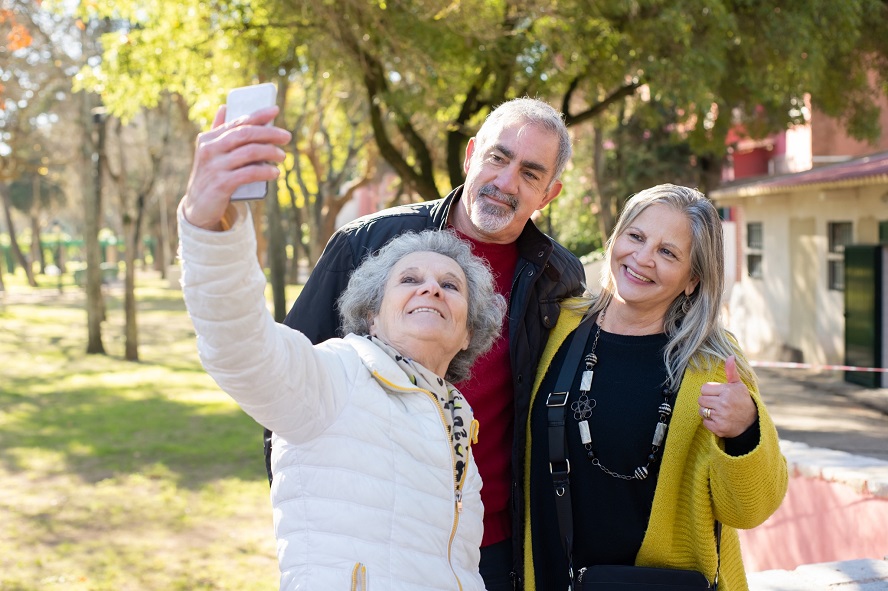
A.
x: 362, y: 299
x: 535, y: 112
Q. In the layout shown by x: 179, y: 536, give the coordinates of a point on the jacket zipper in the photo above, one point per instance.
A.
x: 359, y: 577
x: 473, y: 438
x: 457, y: 486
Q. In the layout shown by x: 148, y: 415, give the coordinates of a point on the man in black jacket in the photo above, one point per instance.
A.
x: 513, y: 168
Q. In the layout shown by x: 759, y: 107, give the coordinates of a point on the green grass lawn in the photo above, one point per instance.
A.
x: 117, y: 475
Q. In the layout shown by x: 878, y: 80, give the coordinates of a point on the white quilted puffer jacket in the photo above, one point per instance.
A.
x: 363, y: 492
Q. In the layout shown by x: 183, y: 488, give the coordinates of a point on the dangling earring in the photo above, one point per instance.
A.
x: 686, y: 305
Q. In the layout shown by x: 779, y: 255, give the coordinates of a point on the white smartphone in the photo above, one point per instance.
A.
x: 244, y: 101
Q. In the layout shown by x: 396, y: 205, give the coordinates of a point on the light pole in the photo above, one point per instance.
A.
x: 57, y: 228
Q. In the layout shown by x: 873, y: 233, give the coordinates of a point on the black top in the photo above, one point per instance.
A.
x: 610, y: 514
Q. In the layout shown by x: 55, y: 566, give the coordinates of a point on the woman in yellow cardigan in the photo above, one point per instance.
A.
x: 658, y: 414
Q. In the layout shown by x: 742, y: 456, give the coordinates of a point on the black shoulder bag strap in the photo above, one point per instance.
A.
x: 559, y: 464
x: 556, y: 405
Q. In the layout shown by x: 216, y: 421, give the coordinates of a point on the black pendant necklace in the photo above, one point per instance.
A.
x: 584, y: 405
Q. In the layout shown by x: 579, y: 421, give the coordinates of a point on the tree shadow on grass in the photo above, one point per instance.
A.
x: 98, y: 432
x: 98, y: 416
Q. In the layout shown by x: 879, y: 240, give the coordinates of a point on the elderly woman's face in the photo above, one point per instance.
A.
x: 424, y: 309
x: 651, y: 259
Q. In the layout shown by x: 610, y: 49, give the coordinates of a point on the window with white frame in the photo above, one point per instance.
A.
x: 754, y: 245
x: 839, y: 235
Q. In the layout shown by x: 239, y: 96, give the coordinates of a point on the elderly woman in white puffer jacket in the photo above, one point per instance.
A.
x: 374, y: 480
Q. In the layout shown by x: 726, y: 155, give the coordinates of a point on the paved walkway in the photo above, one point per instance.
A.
x: 821, y: 410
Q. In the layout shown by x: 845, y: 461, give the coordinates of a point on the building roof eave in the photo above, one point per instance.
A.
x: 859, y: 172
x: 756, y: 190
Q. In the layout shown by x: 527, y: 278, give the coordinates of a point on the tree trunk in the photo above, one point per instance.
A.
x: 161, y: 260
x: 277, y: 254
x: 334, y: 204
x: 131, y: 328
x: 37, y: 253
x: 130, y: 218
x: 607, y: 203
x: 2, y: 265
x: 418, y: 173
x: 709, y: 167
x: 257, y: 208
x: 92, y: 197
x: 13, y: 239
x: 299, y: 251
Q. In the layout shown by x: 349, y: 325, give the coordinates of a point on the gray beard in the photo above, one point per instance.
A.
x: 491, y: 218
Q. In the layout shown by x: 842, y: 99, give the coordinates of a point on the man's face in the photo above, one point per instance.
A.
x: 507, y: 179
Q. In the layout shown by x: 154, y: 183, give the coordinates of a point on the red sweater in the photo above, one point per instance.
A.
x: 489, y: 391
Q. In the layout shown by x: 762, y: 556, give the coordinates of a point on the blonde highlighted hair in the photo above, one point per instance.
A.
x: 697, y: 337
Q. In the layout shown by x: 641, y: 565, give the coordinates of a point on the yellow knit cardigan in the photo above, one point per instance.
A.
x: 698, y: 483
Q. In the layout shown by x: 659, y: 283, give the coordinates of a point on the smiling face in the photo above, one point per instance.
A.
x: 651, y: 260
x: 508, y: 177
x: 424, y: 310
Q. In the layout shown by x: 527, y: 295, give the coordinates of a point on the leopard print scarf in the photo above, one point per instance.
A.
x: 463, y: 430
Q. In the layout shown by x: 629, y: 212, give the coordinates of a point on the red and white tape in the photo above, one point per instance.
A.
x: 790, y: 365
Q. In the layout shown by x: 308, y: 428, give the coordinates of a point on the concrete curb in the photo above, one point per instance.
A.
x: 863, y: 474
x: 849, y: 575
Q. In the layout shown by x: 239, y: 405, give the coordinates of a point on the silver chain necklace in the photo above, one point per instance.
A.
x: 584, y: 405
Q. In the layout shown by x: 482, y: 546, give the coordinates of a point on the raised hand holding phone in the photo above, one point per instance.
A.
x: 230, y: 155
x: 246, y: 100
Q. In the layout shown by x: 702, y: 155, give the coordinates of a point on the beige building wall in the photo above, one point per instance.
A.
x: 790, y: 313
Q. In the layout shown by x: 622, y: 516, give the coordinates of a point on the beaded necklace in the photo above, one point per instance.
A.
x: 583, y: 406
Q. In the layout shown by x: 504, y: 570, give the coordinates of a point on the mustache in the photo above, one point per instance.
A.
x: 491, y: 191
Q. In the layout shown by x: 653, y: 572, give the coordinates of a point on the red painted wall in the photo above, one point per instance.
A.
x: 752, y: 163
x: 819, y: 521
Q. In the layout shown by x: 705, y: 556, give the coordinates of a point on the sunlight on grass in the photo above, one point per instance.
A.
x: 119, y: 475
x: 143, y: 377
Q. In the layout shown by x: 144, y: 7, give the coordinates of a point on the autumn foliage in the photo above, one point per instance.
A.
x: 18, y: 36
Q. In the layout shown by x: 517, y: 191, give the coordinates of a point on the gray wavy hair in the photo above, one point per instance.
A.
x: 696, y: 337
x: 362, y: 299
x: 535, y: 112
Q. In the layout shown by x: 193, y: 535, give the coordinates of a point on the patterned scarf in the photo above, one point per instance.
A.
x: 456, y: 410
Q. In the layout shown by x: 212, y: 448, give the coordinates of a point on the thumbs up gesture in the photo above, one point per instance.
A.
x: 727, y: 409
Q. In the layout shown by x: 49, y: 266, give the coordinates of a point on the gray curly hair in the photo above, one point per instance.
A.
x: 362, y: 299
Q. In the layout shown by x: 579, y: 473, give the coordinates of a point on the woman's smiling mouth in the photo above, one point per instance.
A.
x: 636, y: 275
